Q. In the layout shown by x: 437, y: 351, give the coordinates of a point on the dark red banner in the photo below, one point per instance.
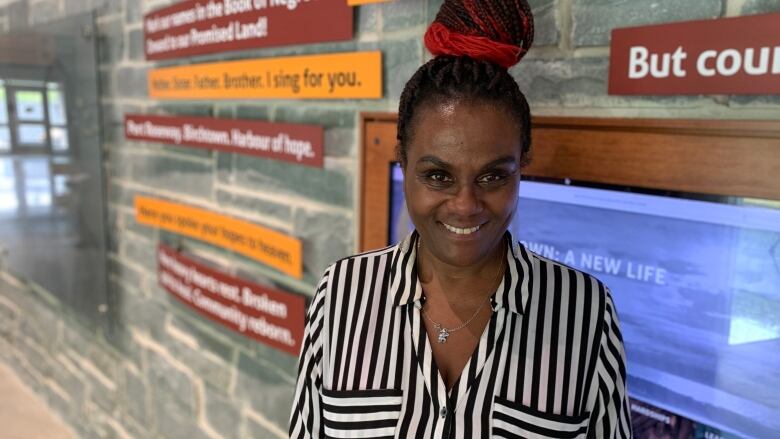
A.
x: 196, y: 27
x: 269, y: 316
x: 725, y: 56
x: 301, y: 144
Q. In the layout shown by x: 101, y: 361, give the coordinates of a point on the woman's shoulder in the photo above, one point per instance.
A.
x: 371, y: 263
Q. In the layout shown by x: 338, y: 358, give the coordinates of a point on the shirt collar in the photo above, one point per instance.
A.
x: 405, y: 287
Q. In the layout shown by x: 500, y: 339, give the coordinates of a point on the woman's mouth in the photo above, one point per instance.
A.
x: 461, y: 231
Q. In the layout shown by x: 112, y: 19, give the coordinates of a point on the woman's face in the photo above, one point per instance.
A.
x: 461, y: 178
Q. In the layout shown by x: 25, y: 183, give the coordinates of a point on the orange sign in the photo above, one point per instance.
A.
x: 276, y: 249
x: 352, y: 75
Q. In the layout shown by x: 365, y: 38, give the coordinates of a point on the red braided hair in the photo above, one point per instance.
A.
x: 498, y: 31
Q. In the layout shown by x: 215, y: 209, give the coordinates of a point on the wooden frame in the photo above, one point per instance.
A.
x: 739, y: 158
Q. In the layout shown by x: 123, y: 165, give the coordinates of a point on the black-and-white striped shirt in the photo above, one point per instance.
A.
x: 550, y: 363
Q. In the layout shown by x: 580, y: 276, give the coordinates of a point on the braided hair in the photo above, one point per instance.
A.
x: 474, y: 43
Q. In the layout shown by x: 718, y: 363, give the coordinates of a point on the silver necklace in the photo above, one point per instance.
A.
x: 444, y: 333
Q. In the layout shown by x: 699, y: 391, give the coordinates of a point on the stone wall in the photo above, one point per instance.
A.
x: 166, y: 372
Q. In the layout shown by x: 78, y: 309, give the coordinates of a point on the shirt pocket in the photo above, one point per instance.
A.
x: 361, y: 413
x: 513, y: 420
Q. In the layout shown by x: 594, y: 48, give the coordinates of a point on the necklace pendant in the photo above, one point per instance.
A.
x: 443, y: 334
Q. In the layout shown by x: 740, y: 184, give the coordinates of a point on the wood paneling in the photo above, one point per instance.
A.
x: 740, y: 158
x: 378, y: 153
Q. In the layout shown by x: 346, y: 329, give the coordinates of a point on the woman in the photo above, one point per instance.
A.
x: 459, y: 331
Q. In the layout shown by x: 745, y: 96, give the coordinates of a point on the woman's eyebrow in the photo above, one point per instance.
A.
x: 501, y: 161
x: 433, y: 160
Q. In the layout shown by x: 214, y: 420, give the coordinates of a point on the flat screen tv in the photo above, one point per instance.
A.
x: 696, y: 281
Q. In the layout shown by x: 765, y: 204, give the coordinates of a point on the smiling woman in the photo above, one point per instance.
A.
x: 459, y: 330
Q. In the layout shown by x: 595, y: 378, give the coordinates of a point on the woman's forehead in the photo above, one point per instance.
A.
x: 456, y: 130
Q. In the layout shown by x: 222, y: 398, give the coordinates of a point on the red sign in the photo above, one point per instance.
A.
x: 196, y: 27
x: 271, y: 317
x: 301, y: 144
x: 726, y: 56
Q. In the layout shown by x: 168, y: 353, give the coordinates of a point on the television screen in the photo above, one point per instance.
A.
x: 696, y: 281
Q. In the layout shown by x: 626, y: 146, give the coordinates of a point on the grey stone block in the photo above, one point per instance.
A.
x: 73, y: 7
x: 40, y: 324
x: 225, y: 164
x: 256, y: 430
x: 432, y: 8
x: 172, y: 390
x: 546, y: 32
x: 593, y: 20
x: 222, y: 413
x: 326, y: 238
x: 400, y: 59
x: 44, y: 11
x: 210, y: 368
x: 126, y: 274
x: 8, y: 322
x: 402, y: 14
x: 136, y: 397
x: 120, y: 194
x: 140, y: 312
x: 189, y: 151
x: 93, y: 348
x: 279, y: 177
x: 173, y: 423
x: 317, y: 115
x: 131, y: 82
x: 104, y: 397
x: 340, y: 142
x: 268, y: 391
x: 559, y: 81
x: 129, y: 222
x: 58, y: 402
x: 286, y: 363
x: 760, y: 6
x: 177, y: 109
x: 178, y: 175
x: 366, y: 20
x: 210, y: 338
x: 768, y: 101
x: 35, y: 355
x: 110, y: 41
x: 253, y: 112
x: 133, y: 12
x: 135, y: 45
x: 255, y: 206
x: 140, y: 250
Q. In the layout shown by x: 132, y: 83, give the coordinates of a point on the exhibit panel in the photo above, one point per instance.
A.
x: 695, y: 276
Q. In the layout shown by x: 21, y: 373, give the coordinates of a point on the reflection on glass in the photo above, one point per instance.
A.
x: 3, y: 106
x: 37, y: 181
x: 59, y: 139
x: 5, y: 139
x: 60, y: 185
x: 8, y: 199
x: 56, y: 106
x: 32, y: 134
x: 29, y: 105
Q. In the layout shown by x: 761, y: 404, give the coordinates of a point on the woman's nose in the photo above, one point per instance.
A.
x: 466, y: 201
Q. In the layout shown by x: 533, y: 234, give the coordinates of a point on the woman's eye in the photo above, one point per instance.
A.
x: 438, y: 177
x: 491, y: 178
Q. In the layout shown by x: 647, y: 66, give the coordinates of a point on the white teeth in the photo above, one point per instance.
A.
x: 460, y: 231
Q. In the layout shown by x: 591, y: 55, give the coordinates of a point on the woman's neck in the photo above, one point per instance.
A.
x: 460, y: 284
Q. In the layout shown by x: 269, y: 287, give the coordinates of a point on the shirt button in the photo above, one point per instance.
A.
x: 443, y: 412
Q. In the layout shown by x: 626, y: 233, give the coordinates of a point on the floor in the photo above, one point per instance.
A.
x: 23, y: 415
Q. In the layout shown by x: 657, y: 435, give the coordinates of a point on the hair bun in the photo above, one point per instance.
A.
x: 498, y: 31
